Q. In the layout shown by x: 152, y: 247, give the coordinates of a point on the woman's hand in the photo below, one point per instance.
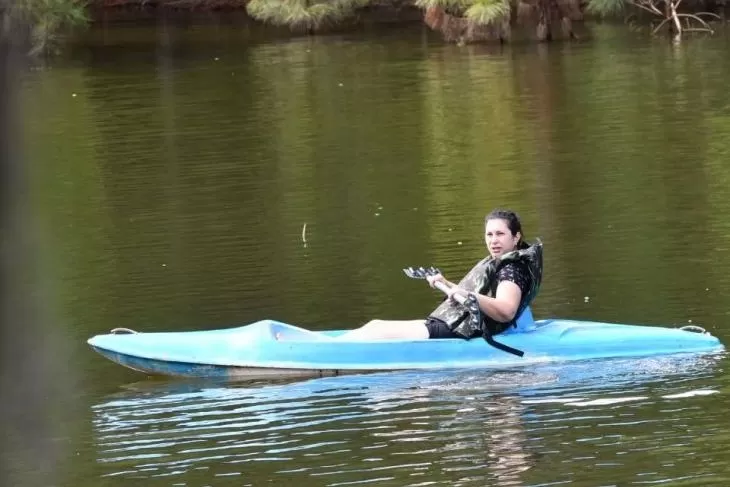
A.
x: 456, y: 290
x: 432, y: 280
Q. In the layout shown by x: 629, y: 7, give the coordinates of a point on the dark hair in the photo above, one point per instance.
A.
x: 513, y: 223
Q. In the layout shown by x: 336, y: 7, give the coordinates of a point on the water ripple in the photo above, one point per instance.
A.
x: 420, y: 428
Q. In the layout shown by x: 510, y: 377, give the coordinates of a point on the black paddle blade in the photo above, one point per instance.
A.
x: 420, y: 272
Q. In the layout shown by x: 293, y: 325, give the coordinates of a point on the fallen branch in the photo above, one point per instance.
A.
x: 698, y: 14
x: 675, y: 17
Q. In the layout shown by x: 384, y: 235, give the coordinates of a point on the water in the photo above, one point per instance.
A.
x: 638, y: 423
x: 172, y: 171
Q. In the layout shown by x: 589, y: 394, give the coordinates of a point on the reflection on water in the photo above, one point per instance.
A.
x: 408, y: 428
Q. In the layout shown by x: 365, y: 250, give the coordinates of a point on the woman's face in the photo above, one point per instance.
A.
x: 499, y: 238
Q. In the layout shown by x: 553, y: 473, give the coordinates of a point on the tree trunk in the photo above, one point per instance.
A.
x: 544, y: 29
x: 670, y: 12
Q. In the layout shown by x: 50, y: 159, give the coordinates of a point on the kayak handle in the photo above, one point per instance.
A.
x: 693, y: 328
x: 123, y: 331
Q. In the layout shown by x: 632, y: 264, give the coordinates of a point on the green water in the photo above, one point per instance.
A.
x: 172, y: 170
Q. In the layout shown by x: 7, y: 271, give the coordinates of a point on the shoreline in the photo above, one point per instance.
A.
x: 380, y: 12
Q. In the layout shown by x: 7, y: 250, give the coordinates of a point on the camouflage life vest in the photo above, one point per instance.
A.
x: 482, y: 279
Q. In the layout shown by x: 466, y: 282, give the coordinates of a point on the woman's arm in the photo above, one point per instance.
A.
x: 505, y: 303
x: 502, y: 307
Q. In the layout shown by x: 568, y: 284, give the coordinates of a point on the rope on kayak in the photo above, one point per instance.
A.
x: 123, y: 331
x: 501, y: 346
x: 693, y: 328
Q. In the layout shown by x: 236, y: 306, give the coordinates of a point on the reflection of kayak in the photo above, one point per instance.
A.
x: 273, y: 349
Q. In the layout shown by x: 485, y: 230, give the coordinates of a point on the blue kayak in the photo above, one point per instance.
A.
x: 271, y: 348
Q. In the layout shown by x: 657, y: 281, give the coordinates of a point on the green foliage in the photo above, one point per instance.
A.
x: 484, y: 12
x: 444, y: 4
x: 606, y: 7
x: 47, y: 19
x: 479, y: 12
x: 303, y: 14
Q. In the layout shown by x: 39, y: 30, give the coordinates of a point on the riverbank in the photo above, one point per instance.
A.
x: 523, y: 23
x: 398, y: 11
x: 494, y: 22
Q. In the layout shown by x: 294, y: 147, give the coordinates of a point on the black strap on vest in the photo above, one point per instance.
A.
x: 475, y: 313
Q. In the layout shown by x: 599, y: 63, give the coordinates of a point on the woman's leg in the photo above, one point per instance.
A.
x: 388, y: 329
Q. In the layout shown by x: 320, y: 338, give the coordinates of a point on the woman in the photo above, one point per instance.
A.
x: 503, y: 284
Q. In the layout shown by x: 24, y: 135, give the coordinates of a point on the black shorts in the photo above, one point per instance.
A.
x: 438, y: 329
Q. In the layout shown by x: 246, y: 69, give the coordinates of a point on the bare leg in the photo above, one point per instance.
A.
x: 388, y: 330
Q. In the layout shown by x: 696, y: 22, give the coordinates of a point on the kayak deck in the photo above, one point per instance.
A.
x: 270, y: 348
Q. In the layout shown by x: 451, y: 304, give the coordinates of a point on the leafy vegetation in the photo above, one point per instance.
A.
x: 476, y: 20
x: 468, y: 20
x: 45, y: 21
x: 308, y: 15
